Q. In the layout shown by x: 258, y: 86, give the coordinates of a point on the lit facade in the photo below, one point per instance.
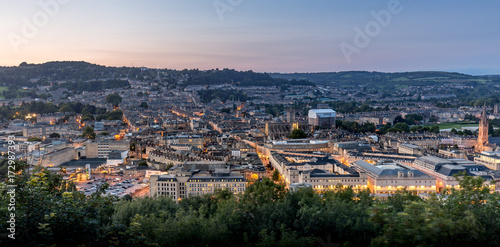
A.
x: 180, y: 186
x: 388, y: 177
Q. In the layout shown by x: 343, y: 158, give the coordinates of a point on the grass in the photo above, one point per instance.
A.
x: 432, y: 78
x: 457, y: 125
x: 400, y: 79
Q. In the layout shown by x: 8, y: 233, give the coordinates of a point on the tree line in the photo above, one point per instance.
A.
x: 49, y: 212
x: 88, y: 112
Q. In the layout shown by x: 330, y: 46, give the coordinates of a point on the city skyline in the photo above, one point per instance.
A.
x: 279, y: 36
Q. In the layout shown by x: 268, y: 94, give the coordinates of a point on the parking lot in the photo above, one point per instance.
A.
x: 118, y: 186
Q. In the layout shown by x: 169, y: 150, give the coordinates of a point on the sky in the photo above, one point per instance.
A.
x: 265, y: 36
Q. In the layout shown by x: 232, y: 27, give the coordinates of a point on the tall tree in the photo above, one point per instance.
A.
x: 114, y: 99
x: 88, y: 132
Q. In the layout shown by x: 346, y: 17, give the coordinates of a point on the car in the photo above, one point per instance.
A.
x: 89, y: 182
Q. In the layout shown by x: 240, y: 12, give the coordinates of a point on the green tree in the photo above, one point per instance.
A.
x: 412, y: 119
x: 49, y: 212
x: 34, y: 139
x: 276, y: 175
x: 66, y: 108
x: 398, y: 119
x: 114, y: 99
x: 298, y: 134
x: 88, y: 133
x: 434, y: 129
x: 55, y: 135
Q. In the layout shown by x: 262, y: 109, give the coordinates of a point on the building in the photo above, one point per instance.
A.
x: 387, y: 177
x: 300, y: 145
x: 489, y: 159
x: 322, y: 117
x: 290, y: 115
x: 482, y: 143
x: 117, y: 157
x: 407, y: 148
x: 53, y: 158
x: 99, y: 126
x: 323, y: 181
x: 184, y: 184
x: 322, y: 173
x: 453, y: 153
x: 444, y: 170
x: 101, y: 149
x: 297, y: 186
x: 277, y: 131
x: 39, y: 131
x: 192, y: 140
x: 343, y: 147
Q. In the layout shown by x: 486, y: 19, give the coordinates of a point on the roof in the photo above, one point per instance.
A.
x: 391, y: 169
x: 82, y: 162
x: 433, y: 160
x: 450, y: 170
x: 322, y: 111
x: 494, y: 140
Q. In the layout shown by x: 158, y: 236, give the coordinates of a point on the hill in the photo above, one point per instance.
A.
x: 27, y: 75
x: 377, y: 79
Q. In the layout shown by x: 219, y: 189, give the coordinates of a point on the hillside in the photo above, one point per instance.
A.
x: 27, y: 75
x: 375, y: 79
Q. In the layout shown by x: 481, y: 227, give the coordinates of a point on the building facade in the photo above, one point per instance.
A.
x: 387, y: 177
x: 101, y: 149
x: 322, y: 118
x: 489, y: 159
x: 183, y: 185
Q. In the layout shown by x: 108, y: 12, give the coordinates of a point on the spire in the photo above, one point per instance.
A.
x: 482, y: 138
x: 484, y: 120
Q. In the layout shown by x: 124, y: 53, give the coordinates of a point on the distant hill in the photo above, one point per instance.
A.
x: 375, y: 79
x: 78, y: 72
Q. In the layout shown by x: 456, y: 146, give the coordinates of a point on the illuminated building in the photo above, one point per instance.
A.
x: 183, y: 185
x: 388, y: 177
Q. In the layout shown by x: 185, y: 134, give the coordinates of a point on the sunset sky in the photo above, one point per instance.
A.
x: 266, y: 36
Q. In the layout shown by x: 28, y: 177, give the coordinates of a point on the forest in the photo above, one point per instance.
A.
x: 48, y: 212
x: 239, y: 78
x: 89, y: 112
x: 223, y: 95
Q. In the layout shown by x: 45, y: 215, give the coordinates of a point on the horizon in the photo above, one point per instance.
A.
x: 273, y: 37
x: 268, y: 72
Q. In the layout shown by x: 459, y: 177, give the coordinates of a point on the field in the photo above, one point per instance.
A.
x: 457, y: 126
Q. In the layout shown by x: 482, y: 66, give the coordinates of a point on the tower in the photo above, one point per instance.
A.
x: 290, y: 115
x: 482, y: 138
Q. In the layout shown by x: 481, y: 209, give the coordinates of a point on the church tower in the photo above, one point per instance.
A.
x: 482, y: 138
